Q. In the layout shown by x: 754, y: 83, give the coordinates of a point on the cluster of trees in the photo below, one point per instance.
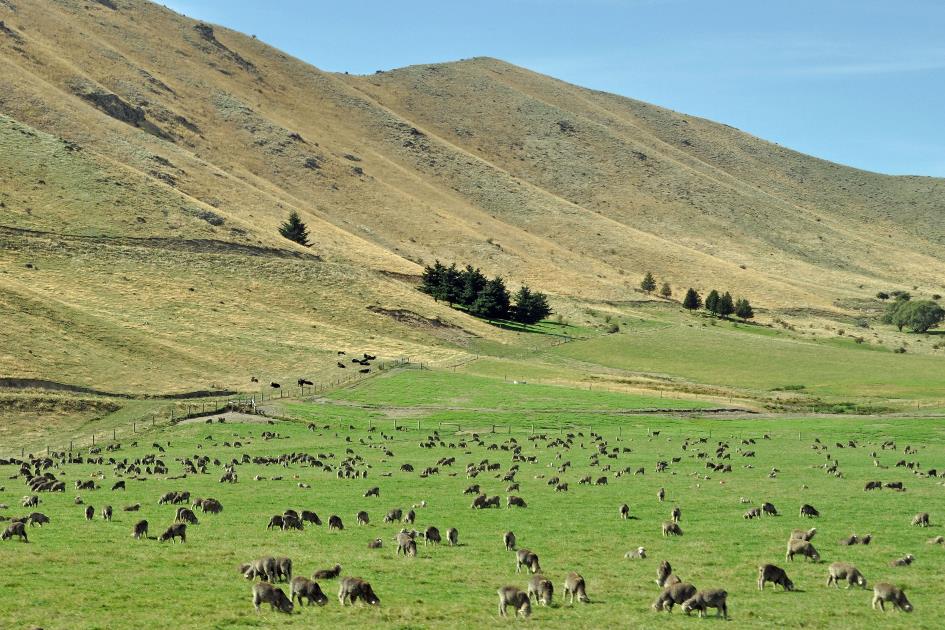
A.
x: 722, y: 305
x: 481, y: 296
x: 648, y: 284
x: 918, y: 315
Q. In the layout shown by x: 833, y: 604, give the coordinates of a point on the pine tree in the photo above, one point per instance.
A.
x: 431, y: 279
x: 712, y: 302
x: 294, y: 230
x: 666, y: 291
x: 743, y: 309
x: 451, y: 285
x: 472, y: 282
x: 648, y: 283
x: 530, y: 308
x: 726, y: 305
x: 692, y: 301
x: 493, y: 301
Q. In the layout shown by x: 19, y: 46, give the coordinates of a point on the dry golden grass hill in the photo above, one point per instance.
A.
x: 146, y: 160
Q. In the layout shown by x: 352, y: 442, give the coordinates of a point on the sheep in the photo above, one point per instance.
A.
x: 754, y: 512
x: 263, y: 592
x: 625, y: 511
x: 38, y: 518
x: 921, y: 519
x: 541, y: 589
x: 302, y: 587
x: 636, y: 554
x: 809, y: 511
x: 844, y: 571
x: 574, y: 586
x: 140, y: 530
x: 904, y: 561
x: 528, y: 559
x: 885, y: 592
x: 354, y: 588
x: 804, y: 534
x: 327, y: 574
x: 334, y: 523
x: 803, y: 548
x: 674, y: 594
x: 15, y: 529
x: 452, y: 535
x: 363, y: 518
x: 676, y: 514
x: 702, y: 600
x: 508, y: 538
x: 671, y: 528
x: 515, y: 501
x: 431, y: 535
x: 264, y: 568
x: 768, y: 509
x: 511, y: 596
x: 406, y: 544
x: 177, y: 530
x: 665, y: 576
x: 377, y: 543
x: 775, y: 575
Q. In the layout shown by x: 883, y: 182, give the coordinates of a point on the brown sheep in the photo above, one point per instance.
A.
x: 363, y: 518
x: 177, y: 530
x: 672, y: 595
x: 701, y: 601
x: 511, y: 596
x: 574, y: 585
x: 803, y: 548
x: 140, y: 530
x: 671, y: 528
x: 327, y: 574
x: 921, y: 519
x: 885, y: 592
x: 625, y: 511
x: 775, y: 575
x: 904, y: 561
x: 452, y: 535
x: 354, y: 588
x: 265, y: 593
x: 515, y: 501
x: 804, y: 534
x: 847, y: 572
x: 15, y: 529
x: 302, y: 587
x: 541, y: 589
x: 528, y: 559
x: 508, y: 538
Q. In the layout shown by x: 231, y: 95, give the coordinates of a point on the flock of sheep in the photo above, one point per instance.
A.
x: 41, y: 474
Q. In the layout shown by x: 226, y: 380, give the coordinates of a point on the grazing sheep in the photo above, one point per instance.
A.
x: 38, y: 518
x: 140, y: 530
x: 574, y: 586
x: 665, y: 576
x: 328, y: 574
x: 938, y: 540
x: 393, y: 515
x: 185, y: 515
x: 775, y: 575
x: 275, y: 522
x: 334, y: 523
x: 354, y: 588
x: 660, y: 495
x: 177, y: 530
x: 904, y: 561
x: 431, y: 535
x: 363, y: 518
x: 528, y: 559
x: 265, y: 593
x: 674, y: 594
x: 768, y: 509
x: 885, y: 592
x: 752, y: 513
x: 511, y: 596
x: 637, y: 554
x: 283, y: 569
x: 119, y: 485
x: 508, y: 538
x: 302, y: 587
x: 452, y: 535
x: 625, y: 511
x: 541, y: 589
x: 15, y: 529
x: 264, y: 568
x: 671, y: 528
x: 406, y: 544
x: 310, y: 517
x: 377, y: 543
x: 804, y: 534
x: 921, y: 519
x: 803, y: 548
x: 809, y: 511
x: 703, y: 600
x: 516, y: 501
x: 373, y: 492
x: 844, y: 571
x: 676, y: 514
x: 107, y: 513
x: 865, y: 540
x: 132, y: 508
x: 89, y: 513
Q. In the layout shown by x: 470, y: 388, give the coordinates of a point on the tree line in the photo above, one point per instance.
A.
x: 918, y: 315
x: 720, y: 304
x: 483, y: 297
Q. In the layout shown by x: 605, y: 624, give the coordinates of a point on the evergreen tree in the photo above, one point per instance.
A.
x: 530, y: 308
x: 294, y: 230
x: 726, y: 305
x: 451, y: 285
x: 431, y: 279
x: 648, y: 283
x: 493, y: 301
x: 692, y: 301
x: 712, y: 302
x: 666, y: 291
x: 472, y: 282
x: 743, y: 309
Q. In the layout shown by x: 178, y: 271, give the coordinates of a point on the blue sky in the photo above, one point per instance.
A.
x: 861, y: 82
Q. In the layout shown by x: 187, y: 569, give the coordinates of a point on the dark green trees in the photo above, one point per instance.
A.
x: 692, y: 301
x: 294, y: 230
x: 712, y: 302
x: 666, y: 291
x: 743, y: 309
x: 493, y: 301
x: 648, y: 283
x: 530, y: 307
x: 483, y: 297
x: 918, y: 315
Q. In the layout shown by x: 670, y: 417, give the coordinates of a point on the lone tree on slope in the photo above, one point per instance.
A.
x: 666, y: 291
x: 648, y: 283
x: 294, y: 230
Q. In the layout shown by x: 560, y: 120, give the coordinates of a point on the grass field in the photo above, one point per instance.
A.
x: 151, y: 584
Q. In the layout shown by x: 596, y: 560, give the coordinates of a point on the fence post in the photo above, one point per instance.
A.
x: 114, y: 435
x: 134, y: 427
x: 93, y: 439
x: 418, y: 424
x: 395, y: 424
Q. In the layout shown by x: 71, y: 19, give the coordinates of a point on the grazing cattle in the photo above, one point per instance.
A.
x: 140, y: 530
x: 775, y: 575
x: 302, y: 587
x: 527, y: 559
x: 540, y: 588
x: 921, y: 519
x: 327, y: 574
x: 574, y: 586
x: 508, y: 538
x: 177, y: 530
x: 847, y: 572
x: 809, y: 511
x: 674, y: 594
x: 885, y: 592
x: 15, y: 529
x: 802, y: 547
x: 636, y: 554
x: 452, y: 535
x: 334, y: 523
x: 671, y: 528
x: 354, y: 588
x: 511, y: 596
x: 265, y: 593
x: 703, y: 600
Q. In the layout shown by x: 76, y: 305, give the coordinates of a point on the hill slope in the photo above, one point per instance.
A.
x: 146, y: 160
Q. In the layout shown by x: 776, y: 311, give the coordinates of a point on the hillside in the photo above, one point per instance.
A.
x: 146, y: 160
